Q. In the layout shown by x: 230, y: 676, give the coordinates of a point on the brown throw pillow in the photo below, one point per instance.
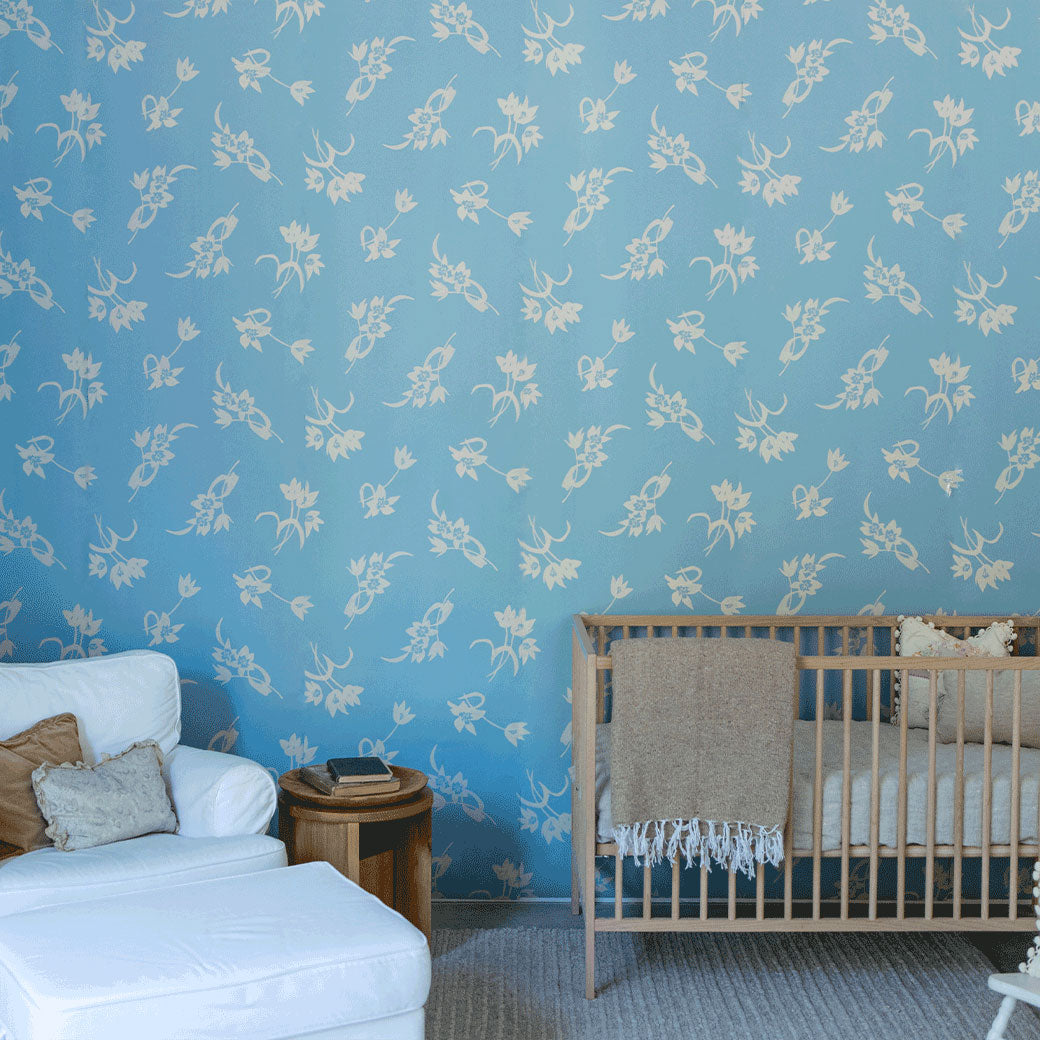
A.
x: 52, y: 740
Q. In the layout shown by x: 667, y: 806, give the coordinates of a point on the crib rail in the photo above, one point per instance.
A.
x: 851, y: 660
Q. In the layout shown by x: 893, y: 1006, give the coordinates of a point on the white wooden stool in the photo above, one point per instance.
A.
x: 1015, y: 986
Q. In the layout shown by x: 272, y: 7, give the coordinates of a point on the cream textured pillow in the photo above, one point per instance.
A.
x: 1003, y: 708
x: 121, y: 797
x: 917, y: 638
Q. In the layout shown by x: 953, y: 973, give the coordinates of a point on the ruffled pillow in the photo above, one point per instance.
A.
x: 918, y: 638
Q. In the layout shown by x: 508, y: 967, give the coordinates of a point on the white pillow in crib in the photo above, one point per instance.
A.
x: 917, y: 638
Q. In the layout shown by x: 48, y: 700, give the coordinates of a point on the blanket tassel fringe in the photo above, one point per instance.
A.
x: 731, y: 845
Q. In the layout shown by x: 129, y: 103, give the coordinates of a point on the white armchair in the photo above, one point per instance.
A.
x: 224, y: 804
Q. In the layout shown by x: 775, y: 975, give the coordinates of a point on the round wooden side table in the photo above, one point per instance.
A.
x: 380, y: 842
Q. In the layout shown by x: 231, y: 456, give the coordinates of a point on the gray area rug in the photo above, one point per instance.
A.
x: 528, y: 984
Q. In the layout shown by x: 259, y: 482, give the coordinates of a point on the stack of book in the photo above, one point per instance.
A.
x: 351, y: 776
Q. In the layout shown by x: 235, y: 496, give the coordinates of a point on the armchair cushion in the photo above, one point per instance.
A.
x: 216, y: 794
x: 121, y: 797
x: 50, y: 740
x: 116, y: 699
x: 48, y: 877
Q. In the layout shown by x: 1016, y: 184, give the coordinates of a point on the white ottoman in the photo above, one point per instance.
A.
x: 293, y: 952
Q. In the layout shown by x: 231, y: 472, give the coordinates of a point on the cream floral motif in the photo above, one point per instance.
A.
x: 23, y: 534
x: 664, y: 409
x: 539, y: 559
x: 105, y: 43
x: 902, y: 459
x: 808, y: 500
x: 371, y: 58
x: 521, y: 133
x: 952, y: 393
x: 888, y: 23
x: 734, y: 520
x: 84, y: 392
x: 809, y: 61
x: 887, y: 537
x: 374, y: 498
x: 472, y: 198
x: 971, y: 560
x: 210, y: 516
x: 541, y: 303
x: 254, y: 68
x: 594, y: 113
x: 159, y: 370
x: 324, y: 173
x: 859, y: 387
x: 158, y: 113
x: 21, y: 277
x: 593, y: 372
x: 908, y: 199
x: 255, y: 583
x: 231, y: 149
x: 8, y: 91
x: 425, y: 387
x: 84, y: 131
x: 542, y: 43
x: 9, y: 351
x: 685, y: 584
x: 803, y: 580
x: 38, y: 453
x: 35, y: 196
x: 692, y: 69
x: 864, y: 131
x: 471, y: 455
x: 323, y: 687
x: 159, y: 625
x: 209, y: 253
x: 9, y: 610
x: 424, y: 639
x: 518, y: 645
x: 370, y: 574
x: 811, y: 244
x: 978, y: 42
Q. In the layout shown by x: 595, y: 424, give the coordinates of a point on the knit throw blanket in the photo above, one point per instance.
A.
x: 700, y: 756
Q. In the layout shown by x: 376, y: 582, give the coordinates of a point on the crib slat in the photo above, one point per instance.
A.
x: 704, y: 893
x: 675, y: 889
x: 601, y: 676
x: 646, y: 891
x: 731, y: 901
x: 875, y: 792
x: 846, y: 786
x: 675, y: 631
x: 788, y: 846
x: 958, y: 802
x: 760, y: 892
x: 818, y: 798
x: 987, y: 796
x: 901, y: 818
x: 929, y: 867
x: 1016, y: 797
x: 618, y: 885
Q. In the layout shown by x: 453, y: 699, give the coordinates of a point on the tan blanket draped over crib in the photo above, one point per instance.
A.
x: 700, y: 756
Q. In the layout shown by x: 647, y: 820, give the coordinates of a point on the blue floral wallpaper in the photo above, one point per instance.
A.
x: 347, y: 348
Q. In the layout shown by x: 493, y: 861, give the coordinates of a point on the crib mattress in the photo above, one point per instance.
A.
x: 888, y: 756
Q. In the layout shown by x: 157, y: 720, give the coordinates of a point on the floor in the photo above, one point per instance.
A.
x: 1005, y: 951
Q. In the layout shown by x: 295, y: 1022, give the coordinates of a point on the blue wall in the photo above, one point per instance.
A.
x: 350, y: 349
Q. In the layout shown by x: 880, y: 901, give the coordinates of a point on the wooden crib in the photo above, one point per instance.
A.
x: 854, y: 658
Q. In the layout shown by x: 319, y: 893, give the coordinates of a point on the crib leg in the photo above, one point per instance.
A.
x: 575, y: 894
x: 590, y: 956
x: 996, y: 1031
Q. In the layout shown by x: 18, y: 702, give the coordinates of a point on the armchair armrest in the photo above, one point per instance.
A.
x: 216, y: 795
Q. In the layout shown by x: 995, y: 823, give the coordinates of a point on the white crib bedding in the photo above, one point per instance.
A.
x: 888, y: 756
